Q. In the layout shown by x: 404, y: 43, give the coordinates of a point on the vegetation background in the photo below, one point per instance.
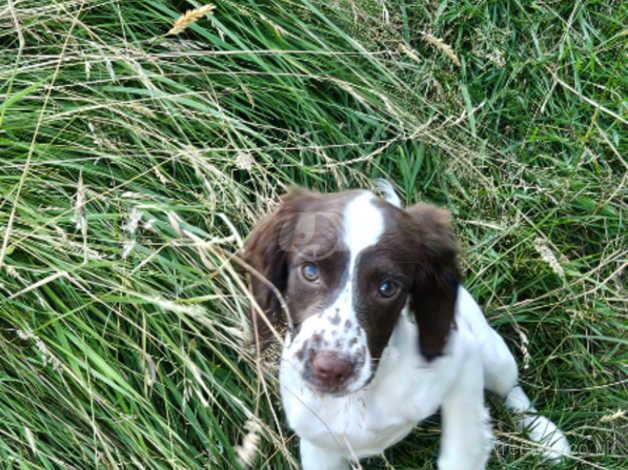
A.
x: 133, y: 163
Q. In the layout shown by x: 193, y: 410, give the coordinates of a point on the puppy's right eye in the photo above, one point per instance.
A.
x: 388, y: 289
x: 310, y: 272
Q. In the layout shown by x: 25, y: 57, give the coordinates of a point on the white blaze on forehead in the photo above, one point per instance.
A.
x: 363, y: 225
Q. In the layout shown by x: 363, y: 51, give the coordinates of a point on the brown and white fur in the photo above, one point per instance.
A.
x: 381, y: 334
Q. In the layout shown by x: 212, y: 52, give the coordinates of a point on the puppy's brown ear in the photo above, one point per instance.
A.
x: 266, y: 251
x: 433, y: 296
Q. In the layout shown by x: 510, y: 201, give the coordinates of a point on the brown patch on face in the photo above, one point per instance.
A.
x: 306, y: 298
x: 377, y: 315
x: 416, y: 252
x: 307, y: 227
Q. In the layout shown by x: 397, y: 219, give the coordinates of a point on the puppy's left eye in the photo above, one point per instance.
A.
x: 388, y: 288
x: 310, y: 272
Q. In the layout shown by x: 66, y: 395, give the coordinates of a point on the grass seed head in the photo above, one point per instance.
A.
x: 443, y: 47
x: 190, y: 17
x: 547, y: 255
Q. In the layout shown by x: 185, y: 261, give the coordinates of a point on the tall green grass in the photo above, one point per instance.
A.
x: 134, y: 163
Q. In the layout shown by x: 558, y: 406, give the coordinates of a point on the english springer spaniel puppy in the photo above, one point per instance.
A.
x: 380, y: 333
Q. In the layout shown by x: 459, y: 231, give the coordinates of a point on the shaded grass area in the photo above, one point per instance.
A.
x: 132, y: 165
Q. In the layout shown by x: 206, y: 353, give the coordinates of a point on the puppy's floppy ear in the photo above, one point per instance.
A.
x: 266, y: 251
x: 433, y: 296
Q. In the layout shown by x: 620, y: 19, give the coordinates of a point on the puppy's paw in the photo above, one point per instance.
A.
x: 554, y: 444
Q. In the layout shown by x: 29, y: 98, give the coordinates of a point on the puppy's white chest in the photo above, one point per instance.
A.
x: 360, y: 422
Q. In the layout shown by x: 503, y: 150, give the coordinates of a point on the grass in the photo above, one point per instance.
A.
x: 133, y: 163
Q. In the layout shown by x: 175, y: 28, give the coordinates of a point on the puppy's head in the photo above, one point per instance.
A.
x: 347, y: 264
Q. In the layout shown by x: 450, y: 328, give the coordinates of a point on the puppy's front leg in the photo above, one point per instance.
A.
x: 317, y: 458
x: 466, y: 437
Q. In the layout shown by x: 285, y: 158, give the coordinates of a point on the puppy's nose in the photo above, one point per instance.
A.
x: 331, y: 369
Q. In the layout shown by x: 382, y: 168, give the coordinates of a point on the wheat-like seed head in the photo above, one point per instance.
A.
x: 189, y: 17
x: 442, y: 46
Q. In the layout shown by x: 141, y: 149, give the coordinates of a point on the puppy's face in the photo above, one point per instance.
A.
x: 347, y: 264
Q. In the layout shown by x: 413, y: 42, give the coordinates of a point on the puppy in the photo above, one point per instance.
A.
x: 381, y: 333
